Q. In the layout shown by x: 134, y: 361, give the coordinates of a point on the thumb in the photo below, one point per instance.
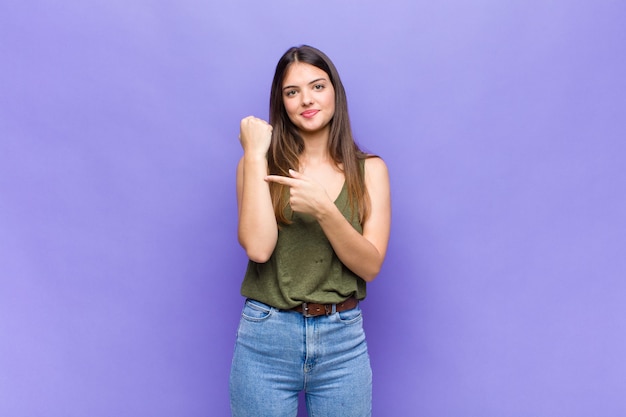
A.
x: 295, y: 174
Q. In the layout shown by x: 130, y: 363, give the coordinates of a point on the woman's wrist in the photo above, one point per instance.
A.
x: 255, y: 157
x: 326, y: 211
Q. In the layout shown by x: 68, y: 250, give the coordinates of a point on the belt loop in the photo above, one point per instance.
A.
x: 333, y: 310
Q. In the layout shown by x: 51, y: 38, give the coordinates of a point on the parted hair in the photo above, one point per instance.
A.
x: 287, y: 144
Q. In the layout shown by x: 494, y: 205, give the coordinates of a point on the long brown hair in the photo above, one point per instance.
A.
x: 287, y: 144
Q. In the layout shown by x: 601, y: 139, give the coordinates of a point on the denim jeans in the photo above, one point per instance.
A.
x: 279, y: 353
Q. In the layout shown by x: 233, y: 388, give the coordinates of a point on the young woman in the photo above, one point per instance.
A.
x: 314, y: 219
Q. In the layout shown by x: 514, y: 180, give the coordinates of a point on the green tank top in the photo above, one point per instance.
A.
x: 304, y: 266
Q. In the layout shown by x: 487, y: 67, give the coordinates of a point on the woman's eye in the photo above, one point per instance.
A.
x: 290, y: 93
x: 319, y: 86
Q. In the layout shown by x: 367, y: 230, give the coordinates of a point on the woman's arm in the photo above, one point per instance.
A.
x: 257, y: 228
x: 363, y: 253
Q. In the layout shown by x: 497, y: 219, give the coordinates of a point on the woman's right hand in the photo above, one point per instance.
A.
x: 255, y: 136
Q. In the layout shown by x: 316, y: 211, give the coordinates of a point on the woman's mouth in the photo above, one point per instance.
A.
x: 309, y: 113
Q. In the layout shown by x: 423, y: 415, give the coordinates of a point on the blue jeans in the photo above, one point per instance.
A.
x: 280, y: 353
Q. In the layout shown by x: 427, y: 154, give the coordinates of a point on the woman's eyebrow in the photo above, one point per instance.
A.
x: 312, y: 82
x: 317, y: 80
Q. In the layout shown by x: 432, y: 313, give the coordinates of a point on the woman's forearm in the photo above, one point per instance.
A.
x: 363, y: 253
x: 355, y: 251
x: 257, y: 228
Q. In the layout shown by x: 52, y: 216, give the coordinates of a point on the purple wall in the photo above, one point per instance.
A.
x: 503, y: 125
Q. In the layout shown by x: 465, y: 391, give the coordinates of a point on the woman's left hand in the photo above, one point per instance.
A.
x: 305, y: 195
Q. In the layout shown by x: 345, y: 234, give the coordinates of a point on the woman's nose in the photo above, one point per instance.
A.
x: 307, y: 98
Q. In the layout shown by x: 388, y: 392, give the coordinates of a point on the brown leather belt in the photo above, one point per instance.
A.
x: 314, y: 310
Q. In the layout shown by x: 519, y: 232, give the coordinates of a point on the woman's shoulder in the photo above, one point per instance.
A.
x: 374, y: 164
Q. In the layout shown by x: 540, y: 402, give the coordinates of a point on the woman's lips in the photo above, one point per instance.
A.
x: 309, y: 113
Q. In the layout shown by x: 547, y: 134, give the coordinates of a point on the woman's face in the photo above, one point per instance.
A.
x: 309, y: 97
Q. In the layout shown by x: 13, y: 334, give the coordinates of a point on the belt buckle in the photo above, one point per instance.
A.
x: 328, y: 310
x: 305, y: 310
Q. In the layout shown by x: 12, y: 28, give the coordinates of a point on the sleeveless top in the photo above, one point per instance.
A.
x: 304, y: 266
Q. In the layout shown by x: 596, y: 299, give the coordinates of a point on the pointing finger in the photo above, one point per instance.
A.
x: 280, y: 180
x: 296, y: 174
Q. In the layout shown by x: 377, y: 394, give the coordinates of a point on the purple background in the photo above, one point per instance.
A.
x: 503, y: 124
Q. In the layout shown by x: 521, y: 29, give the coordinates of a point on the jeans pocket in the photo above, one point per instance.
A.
x: 350, y: 316
x: 256, y: 311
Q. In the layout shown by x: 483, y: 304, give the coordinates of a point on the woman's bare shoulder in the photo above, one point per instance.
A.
x: 375, y: 165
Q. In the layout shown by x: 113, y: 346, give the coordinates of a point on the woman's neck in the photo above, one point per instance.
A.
x: 315, y: 146
x: 315, y: 152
